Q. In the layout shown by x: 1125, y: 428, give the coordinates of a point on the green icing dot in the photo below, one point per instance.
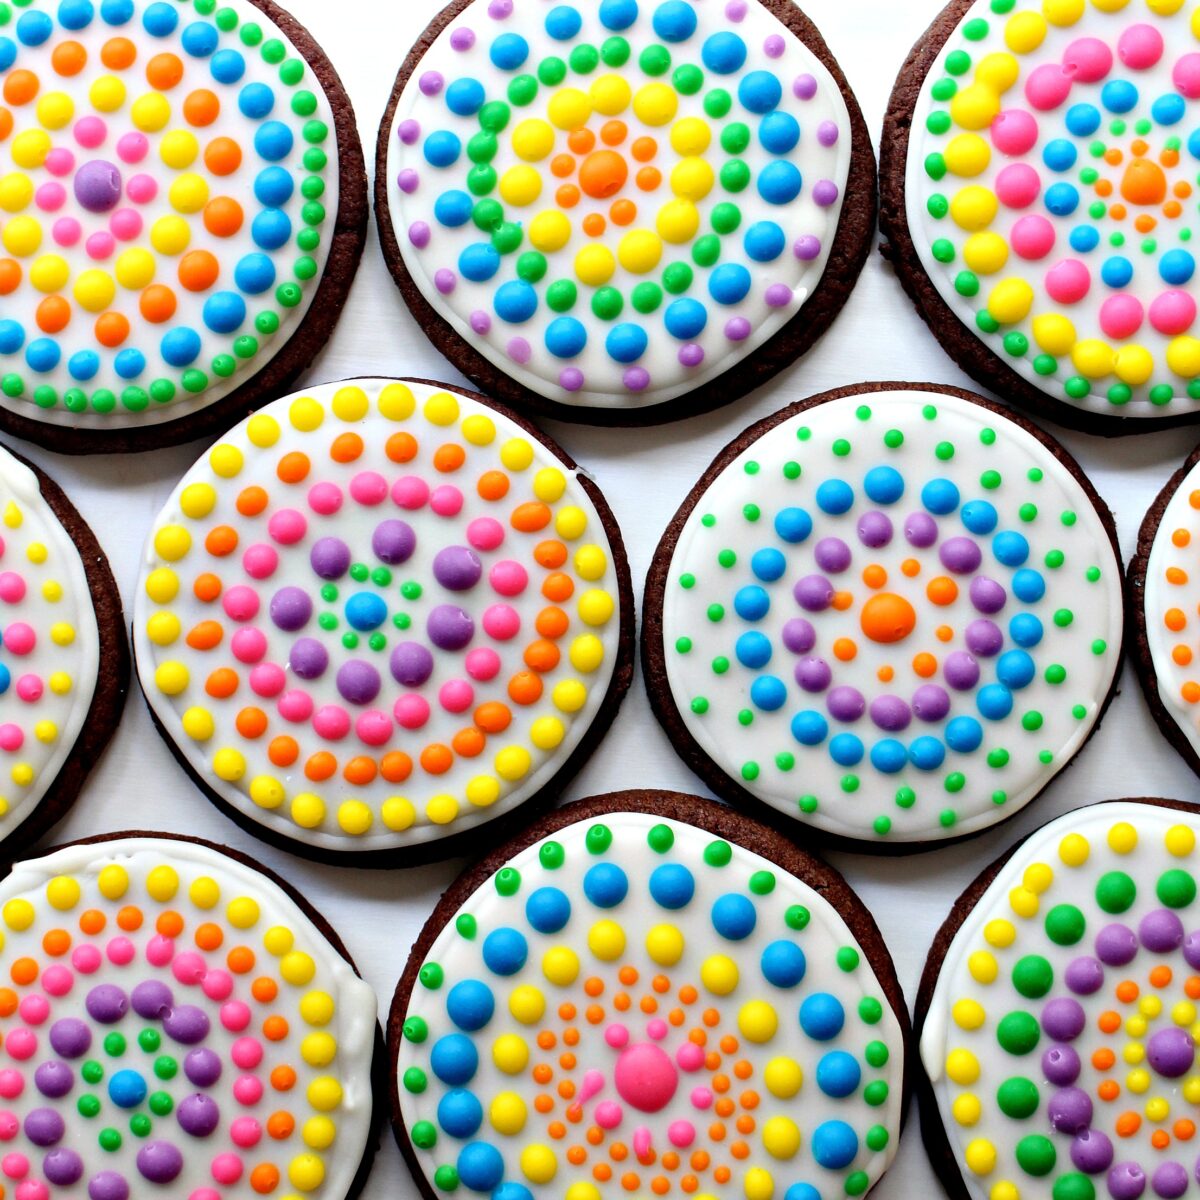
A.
x: 870, y: 1010
x: 1073, y: 1186
x: 166, y: 1067
x: 847, y: 958
x: 415, y: 1081
x: 877, y: 1137
x: 1036, y: 1154
x: 1115, y: 891
x: 1065, y: 924
x: 598, y: 839
x: 160, y: 1104
x: 466, y: 925
x: 877, y: 1053
x: 89, y: 1106
x: 718, y: 853
x: 415, y: 1029
x: 114, y: 1044
x: 1033, y: 976
x: 424, y: 1135
x: 1176, y: 888
x: 149, y: 1040
x: 857, y: 1182
x: 552, y: 855
x: 110, y: 1140
x: 876, y: 1093
x: 762, y: 883
x: 432, y: 975
x: 1018, y: 1032
x: 1017, y: 1097
x: 905, y: 797
x: 508, y: 881
x: 660, y: 839
x: 796, y: 917
x: 445, y: 1178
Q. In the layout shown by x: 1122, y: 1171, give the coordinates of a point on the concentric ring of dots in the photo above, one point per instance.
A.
x: 615, y: 203
x: 1051, y: 195
x: 895, y: 616
x: 1061, y: 1036
x: 633, y: 1005
x: 377, y: 614
x: 166, y: 171
x: 172, y: 1020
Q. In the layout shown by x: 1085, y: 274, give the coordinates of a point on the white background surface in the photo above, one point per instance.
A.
x: 644, y: 476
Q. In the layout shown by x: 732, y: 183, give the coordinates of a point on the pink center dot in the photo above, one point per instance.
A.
x: 656, y: 1029
x: 86, y: 959
x: 608, y: 1114
x: 287, y: 526
x: 12, y: 587
x: 681, y: 1133
x: 100, y: 245
x: 241, y: 603
x: 11, y: 737
x: 331, y: 721
x: 295, y: 705
x: 188, y: 967
x: 60, y: 161
x: 21, y: 1044
x: 690, y: 1057
x: 645, y: 1077
x: 159, y: 950
x: 248, y: 1090
x: 58, y: 980
x: 12, y: 1083
x: 125, y: 224
x: 247, y: 1053
x: 10, y: 1126
x: 50, y: 197
x: 66, y: 231
x: 701, y: 1097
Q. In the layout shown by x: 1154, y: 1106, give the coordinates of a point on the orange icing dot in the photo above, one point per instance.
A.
x: 223, y: 216
x: 887, y: 618
x: 68, y: 58
x: 20, y: 86
x: 157, y: 303
x: 603, y: 173
x: 222, y: 156
x: 201, y: 107
x: 53, y: 314
x: 844, y: 649
x: 164, y: 71
x: 1144, y: 181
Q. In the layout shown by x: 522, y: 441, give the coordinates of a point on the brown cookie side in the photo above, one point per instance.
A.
x: 852, y: 243
x: 654, y: 663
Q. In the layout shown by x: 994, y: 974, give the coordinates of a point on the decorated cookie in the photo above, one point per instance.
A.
x: 892, y: 613
x: 380, y: 615
x: 1037, y: 189
x: 1057, y: 1016
x: 179, y: 1023
x: 623, y: 211
x: 182, y: 209
x: 64, y: 658
x: 649, y: 994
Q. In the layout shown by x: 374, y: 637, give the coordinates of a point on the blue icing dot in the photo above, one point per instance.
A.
x: 764, y: 241
x: 43, y: 354
x: 751, y: 602
x: 734, y: 916
x: 84, y: 364
x: 979, y: 516
x: 454, y: 1059
x: 459, y: 1113
x: 8, y: 53
x: 33, y: 28
x: 224, y: 311
x: 509, y: 51
x: 674, y: 21
x: 563, y: 23
x: 548, y: 909
x: 822, y: 1016
x: 995, y: 701
x: 723, y: 53
x: 1194, y: 143
x: 1084, y: 238
x: 505, y: 951
x: 838, y: 1074
x: 793, y: 524
x: 927, y: 753
x: 779, y: 132
x: 199, y: 39
x: 779, y: 182
x: 889, y: 756
x: 5, y: 678
x: 179, y: 347
x: 809, y: 727
x: 1029, y: 585
x: 835, y: 496
x: 271, y: 229
x: 127, y: 1089
x: 1060, y: 154
x: 783, y: 964
x: 273, y: 141
x: 256, y: 100
x: 1025, y: 629
x: 129, y: 364
x: 1010, y: 547
x: 470, y: 1004
x: 465, y: 97
x: 1062, y: 199
x: 964, y: 734
x: 479, y: 261
x: 685, y: 318
x: 442, y: 148
x: 227, y: 66
x: 1083, y: 119
x: 1015, y: 669
x: 254, y: 273
x: 729, y: 283
x: 768, y: 693
x: 453, y: 209
x: 1168, y: 109
x: 672, y: 886
x: 753, y: 649
x: 802, y: 1191
x: 940, y: 496
x: 760, y: 91
x: 846, y: 749
x: 480, y: 1166
x: 1117, y: 271
x: 117, y: 12
x: 12, y: 336
x: 605, y: 885
x: 618, y: 14
x: 511, y: 1190
x: 834, y: 1144
x: 768, y: 564
x: 1176, y: 267
x: 515, y: 301
x: 626, y: 342
x: 273, y: 186
x: 366, y: 611
x: 883, y: 485
x: 1118, y: 95
x: 565, y: 337
x: 158, y: 20
x: 78, y: 14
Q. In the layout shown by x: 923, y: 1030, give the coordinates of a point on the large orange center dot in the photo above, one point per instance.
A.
x: 888, y: 618
x: 603, y: 174
x: 1144, y: 182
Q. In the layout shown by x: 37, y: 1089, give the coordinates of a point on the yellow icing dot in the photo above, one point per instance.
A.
x: 527, y: 1004
x: 1037, y: 877
x: 758, y: 1021
x: 1158, y: 1109
x: 267, y: 792
x: 22, y: 774
x: 609, y: 95
x: 1023, y: 902
x: 1122, y: 838
x: 1180, y: 841
x: 533, y: 139
x: 163, y: 628
x: 189, y: 193
x: 107, y: 93
x: 587, y: 653
x: 783, y: 1077
x: 350, y: 404
x: 516, y: 454
x: 16, y: 192
x: 1136, y: 1027
x: 479, y: 430
x: 510, y: 1053
x: 595, y: 607
x: 966, y: 1109
x: 49, y: 273
x: 665, y: 945
x: 150, y: 112
x: 962, y: 1067
x: 398, y: 813
x: 985, y: 252
x: 1004, y: 1189
x: 677, y: 221
x: 590, y: 562
x: 513, y: 763
x: 719, y: 974
x: 170, y: 235
x: 1133, y: 365
x: 1024, y: 31
x: 162, y: 883
x: 1093, y: 358
x: 178, y: 149
x: 306, y: 414
x: 975, y: 106
x: 980, y: 1156
x: 1054, y: 333
x: 549, y: 484
x: 1138, y: 1081
x: 508, y: 1114
x: 94, y: 289
x: 547, y: 732
x: 172, y: 542
x: 316, y: 1008
x: 520, y: 185
x: 571, y: 522
x: 692, y: 178
x: 538, y: 1163
x: 1074, y: 850
x: 297, y: 968
x: 13, y: 517
x: 204, y: 892
x: 1183, y: 1013
x: 655, y: 103
x: 1150, y: 1006
x: 781, y: 1137
x: 973, y: 207
x: 569, y: 109
x: 1191, y: 1089
x: 441, y: 809
x: 606, y: 940
x: 243, y: 912
x: 36, y: 552
x: 307, y: 810
x: 595, y: 265
x: 319, y: 1133
x: 354, y: 817
x: 968, y: 1014
x: 1062, y: 12
x: 55, y: 109
x: 318, y: 1049
x: 113, y: 882
x: 1010, y: 300
x: 396, y: 402
x: 639, y: 251
x: 63, y: 892
x: 29, y: 149
x: 997, y: 71
x: 45, y: 731
x: 306, y: 1172
x: 197, y: 500
x: 483, y: 791
x: 1164, y: 8
x: 229, y: 764
x: 1000, y: 932
x: 62, y: 634
x: 560, y: 966
x: 1110, y: 5
x: 759, y: 1185
x: 18, y: 915
x: 549, y: 231
x: 967, y: 155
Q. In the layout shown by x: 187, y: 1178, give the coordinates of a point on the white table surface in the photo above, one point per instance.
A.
x: 877, y: 336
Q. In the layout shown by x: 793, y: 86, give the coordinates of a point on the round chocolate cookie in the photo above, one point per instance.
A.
x: 179, y: 1018
x: 891, y: 614
x: 64, y: 656
x: 646, y: 992
x: 184, y: 207
x: 380, y: 615
x: 1036, y: 168
x: 623, y: 212
x: 1056, y: 1018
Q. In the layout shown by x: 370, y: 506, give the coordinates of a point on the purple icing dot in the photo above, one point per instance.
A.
x: 308, y: 659
x: 1063, y: 1018
x: 1116, y: 945
x: 804, y: 87
x: 890, y: 713
x: 198, y: 1115
x: 70, y: 1037
x: 691, y: 355
x: 1070, y: 1110
x: 202, y: 1066
x: 108, y: 1185
x: 798, y: 635
x: 519, y: 350
x: 1191, y: 950
x: 571, y: 379
x: 930, y: 702
x: 159, y: 1162
x: 450, y: 627
x: 54, y: 1079
x: 462, y: 38
x: 774, y: 45
x: 1170, y: 1180
x: 498, y: 10
x: 1084, y: 975
x: 636, y: 379
x: 291, y: 608
x: 408, y: 131
x: 411, y: 664
x: 921, y: 530
x: 407, y: 181
x: 106, y: 1003
x: 961, y: 670
x: 1171, y: 1052
x: 737, y: 329
x: 806, y: 247
x: 735, y: 10
x: 960, y: 555
x: 814, y: 593
x: 984, y: 638
x: 44, y: 1126
x: 63, y: 1167
x: 874, y: 529
x: 987, y: 595
x: 151, y: 998
x: 827, y: 133
x: 846, y: 703
x: 480, y: 321
x: 1161, y: 931
x: 1061, y: 1065
x: 832, y: 554
x: 1126, y: 1181
x: 457, y: 568
x: 329, y: 557
x: 825, y: 192
x: 358, y: 682
x: 1091, y: 1151
x: 777, y: 295
x: 418, y: 232
x: 444, y: 280
x: 431, y: 83
x: 98, y: 186
x: 813, y: 674
x: 186, y: 1024
x: 393, y: 541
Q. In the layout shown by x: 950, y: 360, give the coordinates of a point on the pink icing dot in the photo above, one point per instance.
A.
x: 1018, y: 185
x: 1185, y: 75
x: 141, y: 189
x: 31, y: 1189
x: 482, y: 663
x: 287, y: 526
x: 410, y: 491
x: 657, y: 1029
x: 446, y: 500
x: 260, y: 561
x: 217, y: 984
x: 159, y: 950
x: 369, y: 488
x: 34, y: 1009
x: 373, y: 728
x: 9, y: 1125
x: 1014, y: 131
x: 247, y: 1090
x: 268, y: 679
x: 58, y: 980
x: 411, y: 711
x: 247, y: 1053
x: 204, y: 1193
x: 690, y: 1057
x: 616, y: 1036
x: 188, y: 967
x: 1140, y: 46
x: 11, y: 737
x: 121, y: 951
x: 66, y: 231
x: 12, y: 587
x: 248, y: 645
x: 485, y: 533
x: 30, y: 688
x: 1032, y: 237
x: 100, y: 245
x: 21, y: 1044
x: 1087, y: 60
x: 1047, y: 87
x: 86, y: 959
x: 701, y: 1097
x: 502, y: 622
x: 1068, y: 281
x: 645, y: 1077
x: 295, y: 705
x: 241, y: 603
x: 325, y: 498
x: 1172, y: 311
x: 50, y: 197
x: 90, y: 132
x: 125, y: 224
x: 456, y: 695
x: 60, y: 161
x: 681, y: 1133
x: 19, y: 638
x: 246, y: 1131
x: 132, y: 147
x: 1121, y: 316
x: 508, y: 578
x: 12, y: 1083
x: 235, y: 1015
x: 608, y: 1114
x: 331, y: 721
x: 227, y: 1168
